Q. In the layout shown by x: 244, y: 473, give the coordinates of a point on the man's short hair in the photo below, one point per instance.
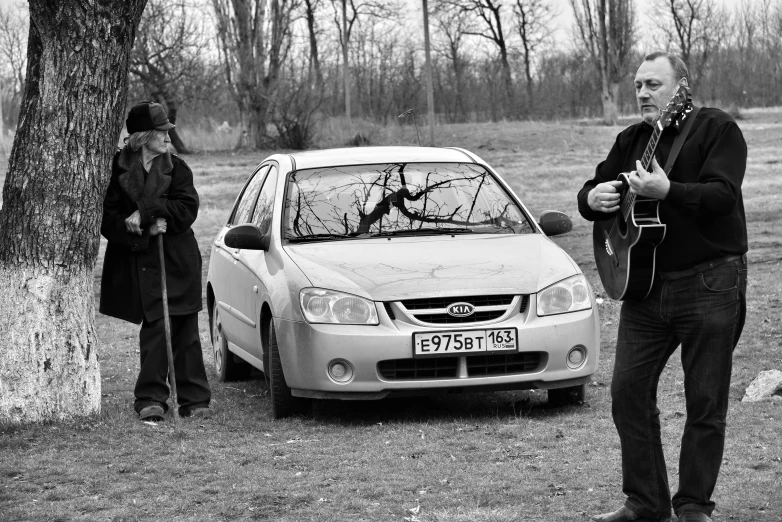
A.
x: 679, y: 67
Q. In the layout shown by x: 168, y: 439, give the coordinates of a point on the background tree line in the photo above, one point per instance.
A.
x: 274, y: 67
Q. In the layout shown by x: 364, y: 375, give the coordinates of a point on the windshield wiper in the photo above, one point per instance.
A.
x: 316, y: 237
x: 431, y: 231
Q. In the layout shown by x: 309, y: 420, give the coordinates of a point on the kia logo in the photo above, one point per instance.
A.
x: 460, y: 309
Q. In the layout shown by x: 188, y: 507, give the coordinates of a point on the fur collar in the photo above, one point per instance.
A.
x: 131, y: 177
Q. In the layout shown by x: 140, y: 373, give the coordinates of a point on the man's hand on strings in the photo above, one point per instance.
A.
x: 605, y: 197
x: 654, y: 184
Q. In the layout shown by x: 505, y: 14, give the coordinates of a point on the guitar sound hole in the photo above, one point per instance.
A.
x: 621, y: 226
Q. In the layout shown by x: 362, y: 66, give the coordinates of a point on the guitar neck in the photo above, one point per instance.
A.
x: 646, y: 163
x: 646, y: 160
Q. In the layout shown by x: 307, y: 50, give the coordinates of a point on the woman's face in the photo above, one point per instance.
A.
x: 158, y: 142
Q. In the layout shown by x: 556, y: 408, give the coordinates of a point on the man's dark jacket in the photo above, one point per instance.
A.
x: 130, y: 286
x: 704, y: 209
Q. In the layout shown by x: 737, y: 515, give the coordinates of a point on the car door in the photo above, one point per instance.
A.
x: 225, y: 267
x: 247, y: 286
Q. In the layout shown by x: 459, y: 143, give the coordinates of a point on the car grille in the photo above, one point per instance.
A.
x: 487, y: 308
x: 450, y: 319
x: 503, y: 364
x: 446, y: 367
x: 412, y: 369
x: 389, y: 311
x: 442, y: 302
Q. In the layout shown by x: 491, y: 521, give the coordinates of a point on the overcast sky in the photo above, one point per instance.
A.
x: 563, y: 24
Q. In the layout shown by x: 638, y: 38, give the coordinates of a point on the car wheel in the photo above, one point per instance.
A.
x: 227, y: 367
x: 567, y: 396
x: 284, y: 404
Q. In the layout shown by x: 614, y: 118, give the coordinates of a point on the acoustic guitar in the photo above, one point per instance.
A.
x: 625, y: 245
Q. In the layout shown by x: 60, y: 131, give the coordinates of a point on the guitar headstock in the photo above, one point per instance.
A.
x: 677, y: 109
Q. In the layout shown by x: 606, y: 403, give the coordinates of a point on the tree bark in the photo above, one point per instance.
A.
x: 346, y: 66
x: 59, y: 168
x: 610, y: 97
x: 2, y: 123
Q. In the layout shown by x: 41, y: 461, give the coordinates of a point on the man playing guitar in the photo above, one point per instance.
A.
x: 697, y: 297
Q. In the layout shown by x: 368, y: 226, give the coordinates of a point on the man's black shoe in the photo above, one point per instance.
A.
x: 623, y: 514
x: 692, y: 515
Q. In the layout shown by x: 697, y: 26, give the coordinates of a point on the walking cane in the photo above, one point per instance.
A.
x: 167, y: 322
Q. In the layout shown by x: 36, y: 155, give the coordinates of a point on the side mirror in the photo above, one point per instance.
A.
x: 554, y: 223
x: 247, y: 237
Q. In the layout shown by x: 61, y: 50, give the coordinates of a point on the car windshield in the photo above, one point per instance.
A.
x: 398, y: 199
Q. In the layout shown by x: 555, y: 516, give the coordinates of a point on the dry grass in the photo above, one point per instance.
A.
x: 485, y: 457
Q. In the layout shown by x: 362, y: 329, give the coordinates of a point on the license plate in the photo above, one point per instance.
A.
x: 465, y: 342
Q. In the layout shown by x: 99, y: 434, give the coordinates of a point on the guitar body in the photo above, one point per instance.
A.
x: 625, y: 250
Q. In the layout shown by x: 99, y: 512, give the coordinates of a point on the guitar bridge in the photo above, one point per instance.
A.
x: 608, y: 248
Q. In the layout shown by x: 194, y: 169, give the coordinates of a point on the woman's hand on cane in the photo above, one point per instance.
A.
x: 133, y: 223
x: 159, y: 227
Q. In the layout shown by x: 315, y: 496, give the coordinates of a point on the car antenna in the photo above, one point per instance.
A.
x: 411, y: 111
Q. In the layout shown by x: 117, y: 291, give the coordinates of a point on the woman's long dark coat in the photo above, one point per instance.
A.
x: 130, y: 286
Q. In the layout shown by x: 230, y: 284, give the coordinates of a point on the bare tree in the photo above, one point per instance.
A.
x: 310, y: 12
x: 346, y: 14
x: 489, y: 18
x: 169, y: 45
x: 607, y: 29
x: 71, y: 117
x: 697, y: 30
x: 254, y: 37
x: 13, y: 50
x: 451, y: 26
x: 532, y: 21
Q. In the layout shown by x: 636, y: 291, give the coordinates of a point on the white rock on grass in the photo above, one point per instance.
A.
x: 764, y: 387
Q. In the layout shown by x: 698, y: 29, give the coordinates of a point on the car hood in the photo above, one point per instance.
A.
x: 434, y: 266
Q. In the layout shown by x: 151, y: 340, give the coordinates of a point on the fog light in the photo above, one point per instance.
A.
x: 340, y: 371
x: 576, y: 357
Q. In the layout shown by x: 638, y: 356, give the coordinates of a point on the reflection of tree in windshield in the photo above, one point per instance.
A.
x: 395, y: 198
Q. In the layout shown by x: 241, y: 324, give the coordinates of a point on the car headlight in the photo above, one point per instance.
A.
x: 329, y: 306
x: 568, y: 295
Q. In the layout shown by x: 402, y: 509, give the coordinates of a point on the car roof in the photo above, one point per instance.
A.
x: 370, y: 155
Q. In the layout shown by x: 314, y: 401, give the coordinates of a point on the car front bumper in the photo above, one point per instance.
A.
x: 306, y: 350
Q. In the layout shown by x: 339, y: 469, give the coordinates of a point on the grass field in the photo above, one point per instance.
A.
x: 483, y: 457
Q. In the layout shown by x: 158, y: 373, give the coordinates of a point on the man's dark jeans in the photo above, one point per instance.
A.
x: 704, y: 312
x: 191, y: 383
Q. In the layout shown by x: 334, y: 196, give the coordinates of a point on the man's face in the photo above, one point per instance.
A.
x: 655, y: 85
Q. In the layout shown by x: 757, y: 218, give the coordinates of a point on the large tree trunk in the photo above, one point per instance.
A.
x: 610, y: 111
x: 2, y: 124
x: 70, y: 121
x: 256, y: 124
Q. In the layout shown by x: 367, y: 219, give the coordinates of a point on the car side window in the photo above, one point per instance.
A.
x: 262, y: 217
x: 247, y: 199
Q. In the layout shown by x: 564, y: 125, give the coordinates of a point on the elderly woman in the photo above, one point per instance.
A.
x: 151, y: 192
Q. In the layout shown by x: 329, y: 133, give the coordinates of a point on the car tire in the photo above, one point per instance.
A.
x: 226, y: 366
x: 284, y: 404
x: 558, y: 397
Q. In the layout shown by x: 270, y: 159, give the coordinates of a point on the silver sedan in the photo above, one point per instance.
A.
x: 371, y: 272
